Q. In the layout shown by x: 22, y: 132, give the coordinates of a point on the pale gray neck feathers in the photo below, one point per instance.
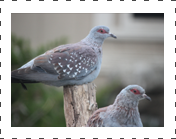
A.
x: 126, y: 111
x: 124, y: 100
x: 93, y: 41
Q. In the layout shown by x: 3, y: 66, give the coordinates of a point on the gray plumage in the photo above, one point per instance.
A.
x: 123, y: 112
x: 70, y: 64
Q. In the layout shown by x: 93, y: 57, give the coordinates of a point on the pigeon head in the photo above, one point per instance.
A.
x: 101, y: 32
x: 98, y: 34
x: 135, y: 93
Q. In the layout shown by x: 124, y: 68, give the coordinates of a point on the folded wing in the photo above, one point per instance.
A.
x: 72, y: 61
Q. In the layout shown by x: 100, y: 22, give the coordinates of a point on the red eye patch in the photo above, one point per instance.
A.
x: 135, y: 91
x: 102, y: 31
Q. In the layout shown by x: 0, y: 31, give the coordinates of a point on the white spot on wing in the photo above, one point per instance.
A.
x: 68, y: 72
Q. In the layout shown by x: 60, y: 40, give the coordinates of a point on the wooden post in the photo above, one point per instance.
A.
x: 79, y: 104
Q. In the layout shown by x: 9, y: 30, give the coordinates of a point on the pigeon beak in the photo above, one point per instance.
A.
x: 146, y: 97
x: 112, y: 35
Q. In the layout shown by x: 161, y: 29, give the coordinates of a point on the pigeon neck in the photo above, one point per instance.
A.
x: 96, y: 42
x: 127, y: 112
x: 123, y: 101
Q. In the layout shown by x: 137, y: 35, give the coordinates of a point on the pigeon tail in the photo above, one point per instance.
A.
x: 15, y: 80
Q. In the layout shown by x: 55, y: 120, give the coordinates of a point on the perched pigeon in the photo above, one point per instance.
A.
x: 70, y: 64
x: 123, y: 113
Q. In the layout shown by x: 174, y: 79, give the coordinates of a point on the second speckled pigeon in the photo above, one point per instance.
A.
x: 70, y: 64
x: 123, y: 112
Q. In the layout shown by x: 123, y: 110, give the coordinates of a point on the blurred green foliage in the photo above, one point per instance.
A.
x: 40, y: 105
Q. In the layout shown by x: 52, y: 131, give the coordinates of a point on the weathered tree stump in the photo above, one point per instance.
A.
x: 79, y: 104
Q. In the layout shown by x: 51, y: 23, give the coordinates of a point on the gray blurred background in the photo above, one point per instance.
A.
x: 135, y: 57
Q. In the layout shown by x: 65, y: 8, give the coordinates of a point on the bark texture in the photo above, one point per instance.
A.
x: 79, y: 104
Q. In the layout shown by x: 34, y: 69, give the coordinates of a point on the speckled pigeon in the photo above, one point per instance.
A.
x: 123, y: 112
x: 70, y: 64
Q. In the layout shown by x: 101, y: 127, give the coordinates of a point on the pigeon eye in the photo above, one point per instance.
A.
x: 102, y: 31
x: 135, y: 91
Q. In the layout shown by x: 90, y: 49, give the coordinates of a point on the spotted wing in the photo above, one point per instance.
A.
x: 73, y: 62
